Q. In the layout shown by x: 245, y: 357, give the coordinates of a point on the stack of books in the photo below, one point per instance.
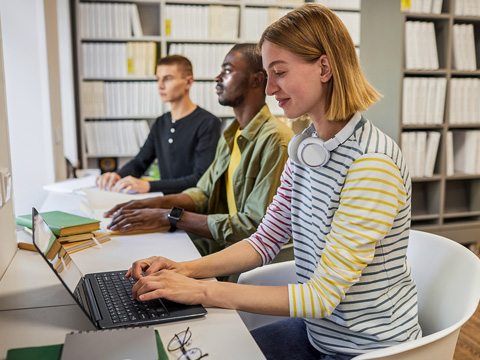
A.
x: 114, y: 60
x: 73, y: 233
x: 420, y: 149
x: 420, y: 46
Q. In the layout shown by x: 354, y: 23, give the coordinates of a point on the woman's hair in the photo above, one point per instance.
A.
x: 311, y: 31
x: 183, y: 64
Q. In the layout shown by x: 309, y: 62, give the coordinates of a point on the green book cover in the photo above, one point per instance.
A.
x: 62, y: 223
x: 49, y: 352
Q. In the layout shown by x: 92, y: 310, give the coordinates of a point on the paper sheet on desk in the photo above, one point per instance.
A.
x: 71, y: 185
x: 99, y: 201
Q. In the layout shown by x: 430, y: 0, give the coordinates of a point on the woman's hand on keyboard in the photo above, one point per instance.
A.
x: 168, y: 284
x: 151, y: 265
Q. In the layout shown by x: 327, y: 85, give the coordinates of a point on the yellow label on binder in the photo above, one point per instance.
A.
x: 129, y: 66
x: 168, y: 27
x: 406, y: 4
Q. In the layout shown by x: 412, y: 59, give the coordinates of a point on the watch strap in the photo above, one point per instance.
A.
x: 174, y: 219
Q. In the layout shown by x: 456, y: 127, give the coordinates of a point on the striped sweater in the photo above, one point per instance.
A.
x: 350, y: 223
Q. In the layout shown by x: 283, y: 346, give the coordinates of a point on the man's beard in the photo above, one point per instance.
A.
x: 232, y: 102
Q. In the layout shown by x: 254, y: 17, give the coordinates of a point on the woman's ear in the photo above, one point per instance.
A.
x: 325, y: 68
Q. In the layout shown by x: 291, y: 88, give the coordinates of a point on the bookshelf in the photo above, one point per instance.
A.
x: 116, y: 47
x: 445, y: 201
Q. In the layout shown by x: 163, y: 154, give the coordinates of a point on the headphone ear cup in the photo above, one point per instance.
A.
x: 313, y: 153
x: 293, y: 147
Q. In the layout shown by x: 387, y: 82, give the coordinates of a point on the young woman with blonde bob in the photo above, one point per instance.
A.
x: 344, y: 198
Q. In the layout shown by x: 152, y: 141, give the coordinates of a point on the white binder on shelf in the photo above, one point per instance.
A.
x: 433, y: 141
x: 136, y: 26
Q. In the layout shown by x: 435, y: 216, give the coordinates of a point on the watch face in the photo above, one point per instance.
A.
x: 176, y: 212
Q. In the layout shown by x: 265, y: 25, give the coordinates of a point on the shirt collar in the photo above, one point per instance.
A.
x: 253, y: 126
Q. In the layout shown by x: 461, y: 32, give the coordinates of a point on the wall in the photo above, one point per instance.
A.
x: 34, y: 115
x: 8, y: 244
x: 67, y: 81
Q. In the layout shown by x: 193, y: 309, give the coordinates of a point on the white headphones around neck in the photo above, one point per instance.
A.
x: 308, y: 150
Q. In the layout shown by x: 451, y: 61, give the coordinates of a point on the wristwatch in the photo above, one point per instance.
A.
x: 174, y: 216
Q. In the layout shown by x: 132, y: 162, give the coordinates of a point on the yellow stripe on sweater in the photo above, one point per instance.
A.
x: 303, y: 303
x: 379, y: 160
x: 294, y: 301
x: 350, y: 268
x: 363, y: 226
x: 364, y: 218
x: 337, y: 274
x: 370, y: 199
x: 370, y: 189
x: 312, y: 302
x: 370, y: 210
x: 377, y: 180
x: 345, y: 246
x: 313, y: 282
x: 328, y: 290
x: 372, y: 240
x: 375, y: 169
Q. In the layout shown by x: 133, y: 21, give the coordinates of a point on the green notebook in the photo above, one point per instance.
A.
x: 62, y: 223
x: 49, y: 352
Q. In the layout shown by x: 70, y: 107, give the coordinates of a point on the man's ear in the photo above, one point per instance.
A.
x: 190, y: 80
x: 258, y: 79
x: 325, y: 68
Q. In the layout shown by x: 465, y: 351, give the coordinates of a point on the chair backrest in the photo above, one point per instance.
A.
x: 448, y: 280
x: 448, y: 284
x: 277, y: 274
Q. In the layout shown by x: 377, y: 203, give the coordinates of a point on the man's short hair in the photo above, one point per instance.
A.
x: 252, y: 56
x: 184, y: 65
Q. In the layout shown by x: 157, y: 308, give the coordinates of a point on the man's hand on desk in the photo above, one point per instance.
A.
x: 126, y: 219
x: 134, y: 204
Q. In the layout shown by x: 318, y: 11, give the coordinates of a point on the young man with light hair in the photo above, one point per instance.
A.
x: 183, y: 140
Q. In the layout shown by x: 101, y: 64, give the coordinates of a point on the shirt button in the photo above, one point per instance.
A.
x: 170, y: 140
x: 172, y: 130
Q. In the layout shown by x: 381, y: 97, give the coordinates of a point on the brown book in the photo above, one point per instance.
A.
x: 139, y: 232
x: 80, y: 237
x: 27, y: 244
x: 80, y: 245
x: 24, y: 239
x: 54, y: 249
x: 66, y: 260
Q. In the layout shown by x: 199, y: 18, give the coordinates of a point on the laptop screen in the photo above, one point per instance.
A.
x: 60, y: 261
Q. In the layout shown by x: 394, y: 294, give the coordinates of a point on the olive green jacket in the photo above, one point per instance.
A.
x: 263, y: 144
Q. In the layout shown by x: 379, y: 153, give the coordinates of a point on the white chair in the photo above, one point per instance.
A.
x: 277, y: 274
x: 448, y: 283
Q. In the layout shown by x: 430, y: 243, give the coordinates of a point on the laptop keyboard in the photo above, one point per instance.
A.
x: 77, y: 295
x: 117, y: 292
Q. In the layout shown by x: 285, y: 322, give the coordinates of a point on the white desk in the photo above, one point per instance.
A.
x: 36, y: 310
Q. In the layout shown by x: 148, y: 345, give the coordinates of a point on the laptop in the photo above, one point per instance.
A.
x: 106, y: 297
